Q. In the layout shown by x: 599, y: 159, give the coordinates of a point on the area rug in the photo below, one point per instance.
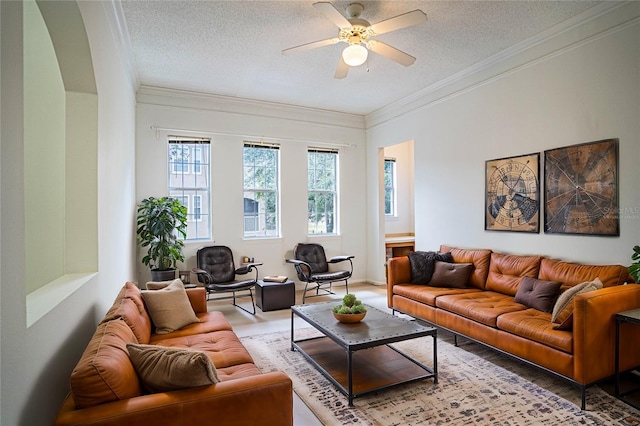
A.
x: 476, y: 386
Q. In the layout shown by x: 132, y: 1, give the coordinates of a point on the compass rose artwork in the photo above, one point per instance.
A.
x: 581, y: 189
x: 512, y: 201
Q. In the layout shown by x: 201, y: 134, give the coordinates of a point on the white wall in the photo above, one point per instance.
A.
x: 229, y: 122
x: 580, y: 86
x: 36, y: 360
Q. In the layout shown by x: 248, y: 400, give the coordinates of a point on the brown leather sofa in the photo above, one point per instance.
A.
x: 485, y: 311
x: 105, y: 389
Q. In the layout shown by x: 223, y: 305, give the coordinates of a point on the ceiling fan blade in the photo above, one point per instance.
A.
x: 342, y: 70
x: 333, y: 14
x: 405, y: 20
x: 312, y: 45
x: 391, y: 52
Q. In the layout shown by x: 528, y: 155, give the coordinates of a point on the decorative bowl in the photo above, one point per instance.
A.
x: 349, y: 318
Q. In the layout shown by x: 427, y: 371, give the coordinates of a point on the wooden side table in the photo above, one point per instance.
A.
x: 630, y: 317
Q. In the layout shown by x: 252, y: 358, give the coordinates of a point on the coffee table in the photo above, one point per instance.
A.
x: 340, y: 355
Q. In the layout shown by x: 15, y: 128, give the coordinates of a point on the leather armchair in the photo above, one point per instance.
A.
x: 217, y: 272
x: 312, y: 267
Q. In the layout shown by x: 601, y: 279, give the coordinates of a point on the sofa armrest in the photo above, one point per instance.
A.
x: 261, y: 399
x: 198, y: 299
x: 594, y: 332
x: 398, y: 272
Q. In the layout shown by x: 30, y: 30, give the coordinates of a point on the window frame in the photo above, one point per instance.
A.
x: 393, y: 188
x: 323, y: 192
x: 193, y: 182
x: 262, y: 221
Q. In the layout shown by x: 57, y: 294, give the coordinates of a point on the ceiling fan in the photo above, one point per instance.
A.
x: 358, y: 34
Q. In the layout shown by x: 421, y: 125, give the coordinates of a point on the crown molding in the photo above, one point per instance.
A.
x: 178, y: 98
x: 605, y: 17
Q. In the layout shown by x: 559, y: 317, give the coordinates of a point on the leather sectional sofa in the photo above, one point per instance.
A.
x: 107, y: 390
x: 485, y: 311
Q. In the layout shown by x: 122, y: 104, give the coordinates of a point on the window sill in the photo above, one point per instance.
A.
x: 41, y: 301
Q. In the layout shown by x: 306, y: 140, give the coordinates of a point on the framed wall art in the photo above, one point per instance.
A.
x: 512, y: 194
x: 581, y: 189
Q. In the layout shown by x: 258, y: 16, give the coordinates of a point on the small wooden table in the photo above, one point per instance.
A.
x: 338, y: 354
x: 631, y: 317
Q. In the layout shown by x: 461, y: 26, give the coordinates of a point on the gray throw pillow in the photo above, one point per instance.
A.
x: 538, y: 294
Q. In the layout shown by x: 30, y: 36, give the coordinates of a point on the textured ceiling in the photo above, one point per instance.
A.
x: 233, y: 48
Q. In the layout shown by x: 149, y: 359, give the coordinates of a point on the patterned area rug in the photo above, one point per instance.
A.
x: 476, y: 386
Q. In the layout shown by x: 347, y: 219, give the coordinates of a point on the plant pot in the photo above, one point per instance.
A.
x: 164, y: 275
x: 349, y: 318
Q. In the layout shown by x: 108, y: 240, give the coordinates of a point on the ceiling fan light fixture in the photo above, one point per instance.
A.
x: 355, y: 55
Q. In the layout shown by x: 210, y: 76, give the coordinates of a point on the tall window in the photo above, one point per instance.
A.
x: 322, y: 181
x: 261, y: 174
x: 390, y: 186
x: 189, y: 182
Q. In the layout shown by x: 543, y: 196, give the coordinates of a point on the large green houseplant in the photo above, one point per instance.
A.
x: 162, y: 225
x: 634, y: 269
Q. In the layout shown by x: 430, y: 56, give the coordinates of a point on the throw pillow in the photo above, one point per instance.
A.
x: 453, y: 275
x: 163, y: 369
x: 158, y: 285
x: 538, y: 294
x: 562, y: 315
x: 422, y: 264
x: 169, y: 308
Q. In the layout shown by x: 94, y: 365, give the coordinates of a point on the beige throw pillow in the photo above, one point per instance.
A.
x: 158, y: 285
x: 169, y: 308
x: 562, y: 314
x: 163, y: 369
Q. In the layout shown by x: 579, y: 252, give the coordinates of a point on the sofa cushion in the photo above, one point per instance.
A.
x: 482, y: 306
x: 238, y: 371
x: 480, y: 259
x: 538, y: 294
x: 104, y: 372
x: 454, y: 275
x: 222, y: 347
x: 426, y: 294
x: 128, y: 310
x: 507, y: 270
x: 165, y: 369
x: 169, y: 307
x: 562, y: 314
x: 534, y: 325
x: 128, y: 291
x: 570, y: 274
x: 209, y: 321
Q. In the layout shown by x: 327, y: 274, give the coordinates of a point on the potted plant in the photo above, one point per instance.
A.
x: 162, y: 224
x: 634, y: 269
x: 350, y: 311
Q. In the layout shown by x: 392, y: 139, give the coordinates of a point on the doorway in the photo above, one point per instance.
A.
x: 398, y: 212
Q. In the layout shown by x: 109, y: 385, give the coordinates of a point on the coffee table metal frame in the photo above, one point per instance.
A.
x: 350, y: 338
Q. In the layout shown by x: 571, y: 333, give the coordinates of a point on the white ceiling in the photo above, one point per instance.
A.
x: 233, y: 47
